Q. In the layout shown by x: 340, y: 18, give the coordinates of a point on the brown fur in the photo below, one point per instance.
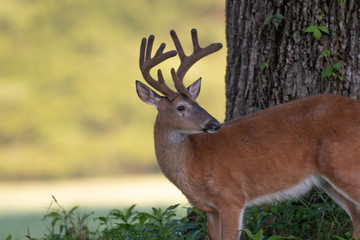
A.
x: 264, y: 153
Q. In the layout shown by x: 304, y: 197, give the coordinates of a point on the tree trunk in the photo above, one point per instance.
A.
x: 271, y: 59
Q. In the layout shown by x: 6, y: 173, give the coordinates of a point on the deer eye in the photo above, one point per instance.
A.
x: 180, y: 108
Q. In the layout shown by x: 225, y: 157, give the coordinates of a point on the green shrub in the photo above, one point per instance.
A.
x: 126, y: 225
x: 316, y: 218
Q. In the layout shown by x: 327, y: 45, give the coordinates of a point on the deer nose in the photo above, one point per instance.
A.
x: 212, y: 126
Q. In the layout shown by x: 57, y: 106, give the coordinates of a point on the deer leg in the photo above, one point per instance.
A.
x: 351, y: 208
x: 355, y: 217
x: 213, y: 222
x: 231, y: 222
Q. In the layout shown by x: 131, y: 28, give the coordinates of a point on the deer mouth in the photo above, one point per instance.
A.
x: 209, y: 131
x: 212, y: 126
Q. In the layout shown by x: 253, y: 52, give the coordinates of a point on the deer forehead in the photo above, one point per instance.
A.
x: 182, y: 99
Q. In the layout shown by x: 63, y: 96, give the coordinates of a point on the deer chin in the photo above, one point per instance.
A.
x: 209, y: 130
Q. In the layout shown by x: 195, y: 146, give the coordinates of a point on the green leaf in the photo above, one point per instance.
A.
x: 143, y: 216
x: 275, y: 237
x: 129, y: 212
x: 263, y: 65
x: 320, y: 17
x: 340, y: 238
x: 326, y: 53
x: 256, y: 109
x: 263, y: 78
x: 275, y: 22
x: 259, y: 235
x: 317, y: 34
x: 9, y: 237
x: 172, y: 207
x: 326, y: 72
x: 311, y: 28
x: 193, y: 235
x: 337, y: 67
x: 103, y: 219
x: 274, y: 19
x: 73, y: 210
x: 279, y: 16
x: 54, y: 215
x: 268, y: 19
x: 323, y: 29
x: 248, y: 233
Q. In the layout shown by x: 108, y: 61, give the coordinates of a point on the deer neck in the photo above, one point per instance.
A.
x: 173, y: 151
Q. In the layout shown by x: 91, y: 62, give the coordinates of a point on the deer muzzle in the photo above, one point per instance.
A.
x: 212, y: 126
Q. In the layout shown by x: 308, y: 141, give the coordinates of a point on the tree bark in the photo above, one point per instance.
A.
x: 273, y: 60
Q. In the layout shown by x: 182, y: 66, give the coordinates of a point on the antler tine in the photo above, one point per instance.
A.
x: 149, y: 47
x: 142, y: 52
x: 160, y: 77
x: 198, y: 53
x: 146, y: 63
x: 178, y: 83
x: 177, y: 44
x: 195, y: 40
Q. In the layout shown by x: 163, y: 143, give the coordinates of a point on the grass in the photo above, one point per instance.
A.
x: 17, y: 224
x: 318, y: 218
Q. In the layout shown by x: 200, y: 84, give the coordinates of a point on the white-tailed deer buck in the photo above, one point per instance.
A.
x: 275, y: 154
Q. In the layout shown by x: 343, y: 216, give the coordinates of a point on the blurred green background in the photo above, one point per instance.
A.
x: 68, y: 105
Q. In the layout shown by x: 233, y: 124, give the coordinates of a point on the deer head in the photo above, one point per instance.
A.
x: 177, y: 108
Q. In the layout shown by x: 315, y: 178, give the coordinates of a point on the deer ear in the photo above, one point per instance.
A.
x: 146, y: 94
x: 194, y: 89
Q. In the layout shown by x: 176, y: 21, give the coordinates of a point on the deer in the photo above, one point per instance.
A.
x: 275, y: 154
